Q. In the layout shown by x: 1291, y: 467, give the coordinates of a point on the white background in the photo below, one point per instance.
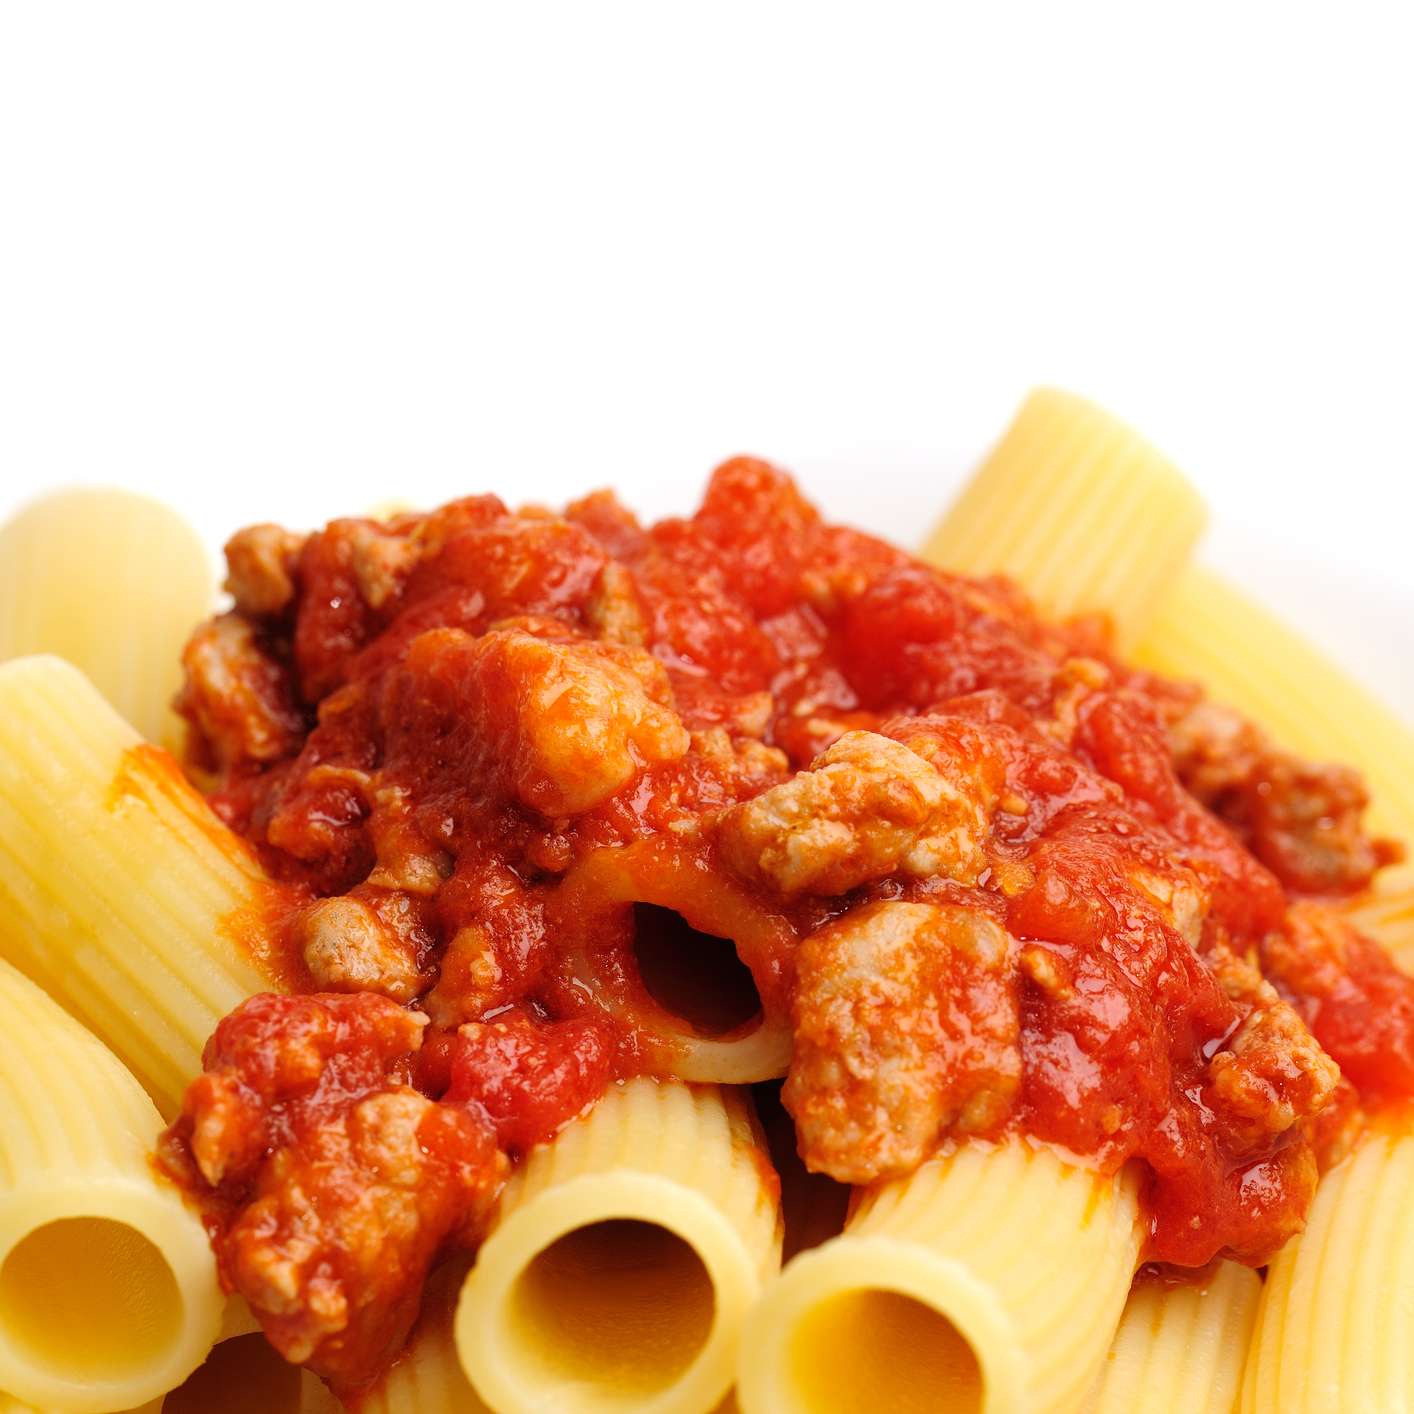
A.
x: 286, y: 261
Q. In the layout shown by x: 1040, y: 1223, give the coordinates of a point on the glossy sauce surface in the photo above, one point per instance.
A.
x: 1035, y: 890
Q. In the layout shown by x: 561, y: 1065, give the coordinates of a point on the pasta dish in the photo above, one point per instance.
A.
x: 577, y: 918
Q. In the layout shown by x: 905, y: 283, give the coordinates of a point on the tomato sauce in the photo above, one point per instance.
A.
x: 492, y: 737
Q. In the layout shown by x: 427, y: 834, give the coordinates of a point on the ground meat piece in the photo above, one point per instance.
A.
x: 906, y: 1025
x: 381, y: 562
x: 406, y: 859
x: 1358, y: 1005
x: 565, y: 724
x: 867, y: 807
x: 1215, y: 749
x: 471, y: 981
x: 349, y: 948
x: 327, y: 1188
x: 260, y: 563
x: 237, y: 696
x: 1303, y: 821
x: 1270, y: 1075
x: 614, y: 610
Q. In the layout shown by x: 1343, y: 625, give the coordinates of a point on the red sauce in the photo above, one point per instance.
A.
x: 711, y: 660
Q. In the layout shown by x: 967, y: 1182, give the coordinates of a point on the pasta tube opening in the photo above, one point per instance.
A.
x: 989, y: 1282
x: 627, y: 1256
x: 106, y: 1298
x: 90, y: 1297
x: 695, y: 967
x: 693, y: 975
x: 623, y: 1304
x: 873, y: 1349
x: 108, y: 1289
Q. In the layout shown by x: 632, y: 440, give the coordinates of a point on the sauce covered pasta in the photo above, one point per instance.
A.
x: 583, y: 913
x: 997, y: 881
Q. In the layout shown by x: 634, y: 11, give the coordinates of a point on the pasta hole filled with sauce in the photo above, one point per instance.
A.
x: 89, y: 1294
x: 622, y: 1304
x: 241, y: 1374
x: 695, y: 976
x: 864, y: 1351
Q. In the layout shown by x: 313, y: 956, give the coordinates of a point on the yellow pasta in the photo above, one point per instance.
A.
x: 1078, y: 509
x: 1246, y: 658
x: 1334, y: 1328
x: 992, y: 1279
x: 428, y: 1377
x: 113, y: 582
x: 718, y: 908
x: 1179, y: 1349
x: 108, y: 1292
x: 10, y: 1405
x: 626, y: 1257
x: 120, y: 892
x: 1387, y: 915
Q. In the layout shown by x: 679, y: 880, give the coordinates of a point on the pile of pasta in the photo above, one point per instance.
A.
x: 635, y: 1261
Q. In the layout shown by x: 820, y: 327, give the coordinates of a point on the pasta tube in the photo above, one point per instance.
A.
x: 1078, y: 509
x: 428, y: 1377
x: 113, y: 582
x: 120, y: 892
x: 10, y: 1405
x: 702, y: 909
x: 627, y: 1254
x: 991, y: 1279
x: 1333, y: 1328
x: 108, y: 1291
x: 244, y: 1371
x: 1249, y: 660
x: 1179, y: 1349
x: 1387, y: 915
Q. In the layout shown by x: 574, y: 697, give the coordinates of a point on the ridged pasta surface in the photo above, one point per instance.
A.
x: 120, y: 891
x: 1026, y: 1259
x: 1180, y: 1349
x: 1057, y: 1245
x: 660, y: 1205
x: 1078, y: 509
x: 69, y: 1107
x: 114, y: 583
x: 1335, y: 1332
x: 1209, y: 632
x: 700, y: 1136
x: 75, y: 1179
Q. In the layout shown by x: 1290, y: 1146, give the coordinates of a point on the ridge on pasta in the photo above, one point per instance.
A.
x: 618, y: 901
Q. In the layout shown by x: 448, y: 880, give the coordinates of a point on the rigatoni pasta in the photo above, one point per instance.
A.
x: 992, y: 1278
x: 1207, y: 631
x: 108, y: 1291
x: 1333, y: 1330
x: 120, y: 891
x: 114, y: 583
x: 1079, y: 509
x: 589, y: 804
x: 626, y: 1257
x: 1181, y: 1346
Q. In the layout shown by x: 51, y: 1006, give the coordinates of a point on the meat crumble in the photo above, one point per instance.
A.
x: 992, y: 879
